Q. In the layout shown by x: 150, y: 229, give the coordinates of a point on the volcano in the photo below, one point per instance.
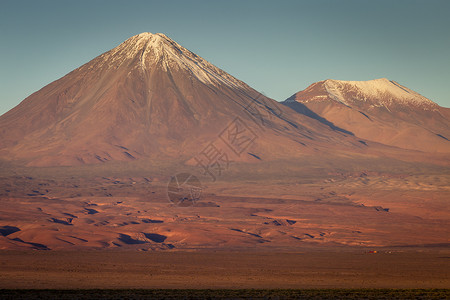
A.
x: 151, y: 98
x: 379, y: 110
x: 129, y: 152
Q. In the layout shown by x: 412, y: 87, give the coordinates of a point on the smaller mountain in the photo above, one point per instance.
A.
x: 379, y: 110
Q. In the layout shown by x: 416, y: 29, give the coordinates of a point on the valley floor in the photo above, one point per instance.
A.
x: 340, y: 210
x: 311, y: 229
x: 224, y: 270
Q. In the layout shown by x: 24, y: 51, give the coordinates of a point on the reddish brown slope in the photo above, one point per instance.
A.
x: 378, y: 110
x: 152, y: 98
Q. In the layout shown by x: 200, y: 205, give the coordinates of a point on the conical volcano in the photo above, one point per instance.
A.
x: 152, y: 98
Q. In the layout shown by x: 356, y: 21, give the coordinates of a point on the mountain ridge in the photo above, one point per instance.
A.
x: 380, y: 110
x: 380, y: 92
x: 149, y: 97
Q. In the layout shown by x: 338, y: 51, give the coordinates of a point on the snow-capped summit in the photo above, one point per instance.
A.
x: 378, y: 91
x: 147, y: 51
x: 381, y: 110
x: 375, y: 93
x: 150, y: 98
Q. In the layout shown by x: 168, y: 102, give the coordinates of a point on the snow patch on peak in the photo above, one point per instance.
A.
x: 334, y: 89
x: 162, y: 35
x: 147, y: 50
x: 149, y: 35
x: 380, y: 92
x: 144, y: 35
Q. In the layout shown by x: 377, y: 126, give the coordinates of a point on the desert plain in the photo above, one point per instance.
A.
x: 344, y: 228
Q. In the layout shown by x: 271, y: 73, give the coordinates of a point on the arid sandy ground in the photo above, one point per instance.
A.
x: 193, y: 270
x: 252, y: 229
x: 357, y: 208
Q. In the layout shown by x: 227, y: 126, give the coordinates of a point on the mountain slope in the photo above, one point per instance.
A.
x: 152, y: 98
x: 379, y: 110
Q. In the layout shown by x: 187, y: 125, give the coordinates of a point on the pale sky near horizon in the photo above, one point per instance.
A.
x: 277, y: 47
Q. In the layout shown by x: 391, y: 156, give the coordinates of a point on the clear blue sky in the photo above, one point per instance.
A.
x: 277, y: 47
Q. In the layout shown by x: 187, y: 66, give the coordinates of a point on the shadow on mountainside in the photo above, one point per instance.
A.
x: 304, y: 110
